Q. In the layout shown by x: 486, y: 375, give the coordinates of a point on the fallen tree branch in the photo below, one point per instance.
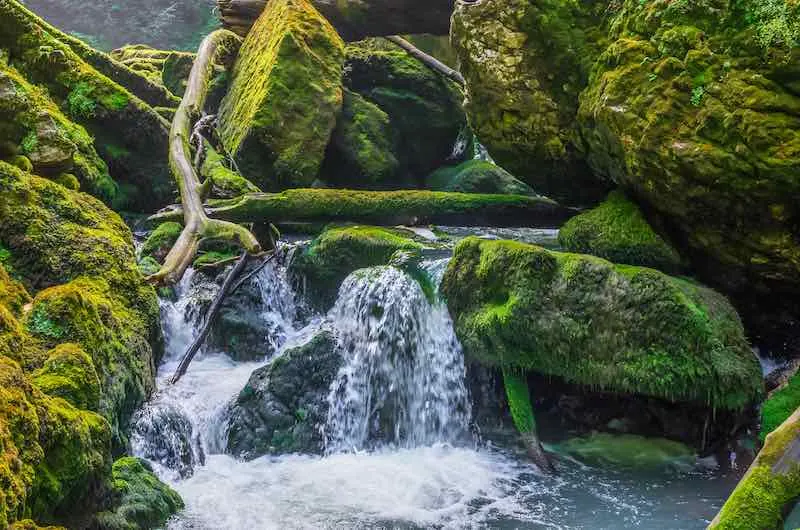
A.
x: 196, y: 224
x: 388, y: 208
x: 428, y: 60
x: 211, y: 316
x: 244, y: 279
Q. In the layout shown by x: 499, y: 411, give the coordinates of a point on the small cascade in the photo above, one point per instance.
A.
x: 402, y: 382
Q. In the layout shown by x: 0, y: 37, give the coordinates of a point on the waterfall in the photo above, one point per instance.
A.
x: 402, y: 381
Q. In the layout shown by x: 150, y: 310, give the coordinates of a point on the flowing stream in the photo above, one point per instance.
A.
x: 400, y: 452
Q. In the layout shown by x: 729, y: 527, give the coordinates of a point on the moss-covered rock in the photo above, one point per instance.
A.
x: 142, y: 500
x: 45, y: 137
x: 617, y: 230
x: 166, y: 68
x: 161, y: 239
x: 424, y: 116
x: 525, y: 64
x: 127, y: 130
x: 477, y: 176
x: 629, y: 329
x: 771, y: 485
x: 69, y: 373
x: 779, y: 406
x: 284, y: 96
x: 628, y: 451
x: 338, y: 251
x: 225, y: 183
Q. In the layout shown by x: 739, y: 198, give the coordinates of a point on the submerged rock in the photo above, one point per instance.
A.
x: 628, y: 329
x: 477, y: 176
x: 284, y: 96
x: 284, y: 404
x: 338, y: 251
x: 616, y: 230
x: 628, y: 451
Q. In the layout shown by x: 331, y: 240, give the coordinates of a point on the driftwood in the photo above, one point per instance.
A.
x: 355, y: 19
x: 428, y: 60
x: 211, y: 316
x: 409, y: 207
x: 196, y: 224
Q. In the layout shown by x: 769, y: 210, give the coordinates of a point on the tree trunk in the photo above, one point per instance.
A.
x: 196, y: 224
x: 355, y: 19
x: 409, y: 207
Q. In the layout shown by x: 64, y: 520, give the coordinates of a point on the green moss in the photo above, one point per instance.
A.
x: 22, y: 162
x: 284, y: 96
x: 337, y: 252
x: 80, y: 102
x: 477, y: 176
x: 622, y: 328
x: 779, y: 406
x: 225, y: 183
x: 69, y: 181
x: 771, y: 484
x: 161, y: 239
x: 617, y: 231
x: 519, y: 400
x: 213, y: 257
x: 142, y: 500
x: 69, y: 373
x: 628, y: 451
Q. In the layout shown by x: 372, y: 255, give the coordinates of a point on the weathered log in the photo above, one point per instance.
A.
x: 211, y: 316
x: 771, y: 486
x: 409, y: 207
x: 428, y: 60
x: 197, y: 225
x: 355, y: 19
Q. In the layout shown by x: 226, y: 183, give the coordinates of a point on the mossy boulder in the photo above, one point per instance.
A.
x: 284, y: 96
x: 166, y: 68
x: 338, y: 251
x: 44, y: 136
x: 141, y: 499
x: 477, y: 176
x: 408, y: 112
x: 617, y: 230
x: 525, y: 64
x: 161, y: 239
x: 225, y: 183
x: 127, y: 131
x: 69, y: 373
x: 627, y: 329
x: 628, y: 451
x: 283, y: 405
x: 780, y: 404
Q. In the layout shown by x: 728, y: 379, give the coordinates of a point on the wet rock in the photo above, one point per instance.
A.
x: 477, y: 176
x: 162, y: 433
x: 284, y: 404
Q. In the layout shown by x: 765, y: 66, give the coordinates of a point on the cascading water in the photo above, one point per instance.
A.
x: 402, y: 382
x: 400, y: 391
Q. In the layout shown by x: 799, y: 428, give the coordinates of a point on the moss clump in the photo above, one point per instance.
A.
x: 142, y: 500
x: 225, y: 183
x: 362, y: 152
x: 284, y: 96
x: 769, y: 487
x: 519, y: 401
x: 160, y: 240
x: 337, y: 252
x: 477, y: 176
x: 622, y: 328
x: 423, y: 108
x: 69, y: 373
x: 628, y: 451
x: 617, y: 231
x: 780, y: 405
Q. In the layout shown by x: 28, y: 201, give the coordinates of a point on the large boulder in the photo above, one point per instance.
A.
x: 627, y: 329
x: 403, y: 126
x: 525, y: 64
x: 616, y: 230
x: 283, y: 405
x: 690, y: 107
x: 284, y: 96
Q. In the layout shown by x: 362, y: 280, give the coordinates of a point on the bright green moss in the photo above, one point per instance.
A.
x: 629, y: 451
x: 477, y: 176
x: 617, y: 231
x: 770, y: 485
x: 225, y: 183
x: 284, y: 96
x: 337, y: 252
x: 213, y: 257
x: 69, y: 373
x: 779, y: 406
x: 143, y: 501
x: 519, y: 400
x: 621, y: 328
x: 80, y: 103
x: 160, y: 240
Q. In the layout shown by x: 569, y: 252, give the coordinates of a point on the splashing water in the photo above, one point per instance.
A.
x: 402, y: 382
